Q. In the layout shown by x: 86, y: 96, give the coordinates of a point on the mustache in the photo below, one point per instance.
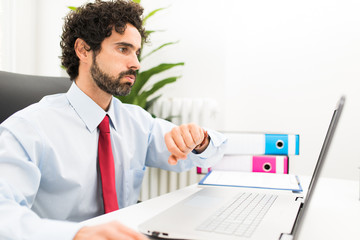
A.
x: 128, y: 72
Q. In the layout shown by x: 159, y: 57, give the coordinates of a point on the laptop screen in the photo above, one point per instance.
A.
x: 319, y: 165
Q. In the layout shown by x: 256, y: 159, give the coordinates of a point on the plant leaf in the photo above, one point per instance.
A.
x: 142, y: 97
x: 143, y: 77
x: 72, y: 8
x: 151, y: 102
x: 140, y: 101
x: 158, y: 85
x: 158, y: 48
x: 171, y: 117
x: 136, y: 1
x: 151, y: 14
x: 123, y: 99
x: 148, y: 32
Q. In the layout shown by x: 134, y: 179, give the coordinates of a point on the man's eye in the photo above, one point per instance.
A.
x: 123, y: 50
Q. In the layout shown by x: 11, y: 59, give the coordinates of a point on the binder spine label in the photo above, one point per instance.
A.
x: 276, y: 144
x: 270, y: 164
x: 264, y: 164
x: 297, y: 148
x: 258, y: 163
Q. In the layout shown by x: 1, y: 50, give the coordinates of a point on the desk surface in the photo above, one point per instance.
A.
x: 333, y: 214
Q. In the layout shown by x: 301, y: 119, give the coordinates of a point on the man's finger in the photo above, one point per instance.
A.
x: 127, y: 233
x: 187, y: 138
x: 109, y: 231
x: 197, y: 133
x: 172, y: 160
x: 173, y: 148
x: 178, y: 138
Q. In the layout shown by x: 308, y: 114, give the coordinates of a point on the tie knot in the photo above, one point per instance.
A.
x: 104, y: 125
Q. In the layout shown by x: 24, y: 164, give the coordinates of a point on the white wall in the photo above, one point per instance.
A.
x: 30, y: 33
x: 274, y: 66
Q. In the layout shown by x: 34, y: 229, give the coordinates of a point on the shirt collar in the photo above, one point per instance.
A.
x: 89, y: 112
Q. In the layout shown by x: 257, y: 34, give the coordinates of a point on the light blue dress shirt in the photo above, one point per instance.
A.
x: 49, y: 176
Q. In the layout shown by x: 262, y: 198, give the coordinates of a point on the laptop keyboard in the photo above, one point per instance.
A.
x: 241, y: 216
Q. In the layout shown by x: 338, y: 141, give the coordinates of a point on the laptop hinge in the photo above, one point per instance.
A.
x: 286, y: 236
x: 299, y: 199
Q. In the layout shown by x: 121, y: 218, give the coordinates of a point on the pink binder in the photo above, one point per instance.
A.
x: 245, y: 163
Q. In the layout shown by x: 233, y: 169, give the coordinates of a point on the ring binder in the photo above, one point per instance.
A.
x: 243, y: 163
x: 242, y: 143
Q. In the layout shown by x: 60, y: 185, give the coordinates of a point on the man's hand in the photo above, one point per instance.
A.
x: 181, y: 140
x: 108, y: 231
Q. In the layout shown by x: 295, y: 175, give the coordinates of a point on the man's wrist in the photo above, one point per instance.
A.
x: 204, y: 144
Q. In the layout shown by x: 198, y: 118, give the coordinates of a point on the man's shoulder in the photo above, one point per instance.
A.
x: 46, y: 106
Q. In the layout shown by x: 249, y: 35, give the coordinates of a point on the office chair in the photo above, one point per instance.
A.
x: 18, y: 91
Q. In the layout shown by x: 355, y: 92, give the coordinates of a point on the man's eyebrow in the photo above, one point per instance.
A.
x: 127, y: 45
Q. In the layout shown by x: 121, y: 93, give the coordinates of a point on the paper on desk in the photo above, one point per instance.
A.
x: 252, y: 180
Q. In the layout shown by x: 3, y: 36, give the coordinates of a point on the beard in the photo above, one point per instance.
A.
x: 109, y: 84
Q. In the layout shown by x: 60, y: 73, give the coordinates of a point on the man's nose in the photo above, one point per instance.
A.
x: 134, y: 63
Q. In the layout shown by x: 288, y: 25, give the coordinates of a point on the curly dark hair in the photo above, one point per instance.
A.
x: 93, y: 22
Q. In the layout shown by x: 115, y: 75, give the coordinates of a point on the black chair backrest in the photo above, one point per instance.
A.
x: 18, y: 91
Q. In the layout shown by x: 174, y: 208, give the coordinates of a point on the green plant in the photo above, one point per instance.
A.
x: 141, y: 95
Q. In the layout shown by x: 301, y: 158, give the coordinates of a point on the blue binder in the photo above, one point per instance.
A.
x: 252, y: 143
x: 278, y: 144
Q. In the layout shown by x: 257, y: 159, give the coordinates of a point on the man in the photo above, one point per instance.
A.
x: 51, y: 153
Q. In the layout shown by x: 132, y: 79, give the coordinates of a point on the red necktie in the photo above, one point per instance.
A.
x: 107, y: 168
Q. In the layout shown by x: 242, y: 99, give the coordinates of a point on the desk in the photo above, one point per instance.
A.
x: 334, y: 213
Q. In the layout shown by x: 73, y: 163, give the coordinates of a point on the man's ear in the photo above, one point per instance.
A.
x: 82, y: 50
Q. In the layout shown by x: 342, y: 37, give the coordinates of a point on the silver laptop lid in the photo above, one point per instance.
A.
x: 318, y: 168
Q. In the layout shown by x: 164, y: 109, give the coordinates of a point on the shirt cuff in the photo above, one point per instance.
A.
x: 216, y: 140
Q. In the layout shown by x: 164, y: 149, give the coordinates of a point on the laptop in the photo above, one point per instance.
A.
x: 223, y: 213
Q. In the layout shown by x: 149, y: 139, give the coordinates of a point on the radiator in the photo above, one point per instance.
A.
x: 203, y: 112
